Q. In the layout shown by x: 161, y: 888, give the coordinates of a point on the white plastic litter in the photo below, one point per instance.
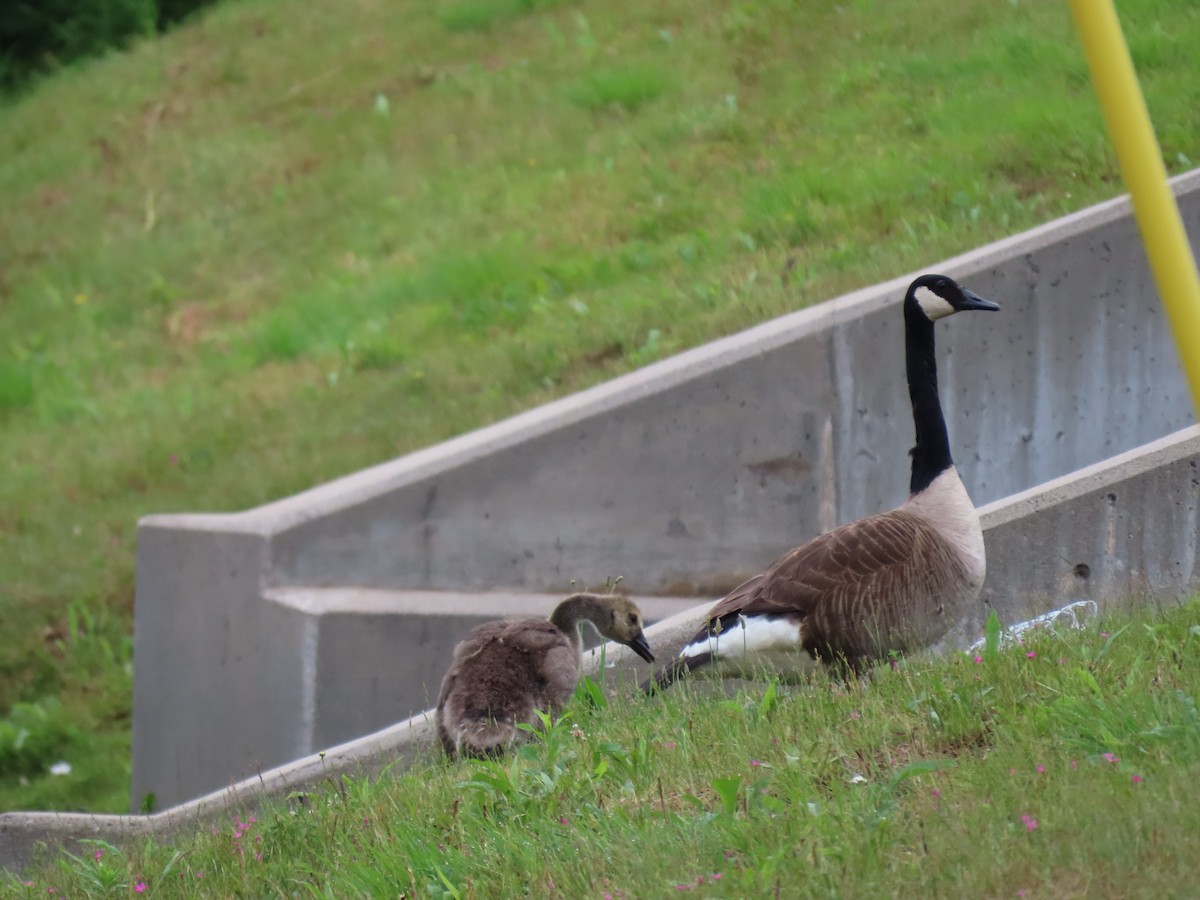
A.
x: 1072, y: 616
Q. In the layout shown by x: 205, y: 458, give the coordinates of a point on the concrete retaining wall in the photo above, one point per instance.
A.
x: 682, y: 478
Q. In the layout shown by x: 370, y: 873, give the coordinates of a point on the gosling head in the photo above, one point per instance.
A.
x: 623, y: 624
x: 938, y: 296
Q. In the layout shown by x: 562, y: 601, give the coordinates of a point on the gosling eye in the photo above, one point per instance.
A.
x: 633, y: 619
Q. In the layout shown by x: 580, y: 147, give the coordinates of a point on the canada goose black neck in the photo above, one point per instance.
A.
x: 931, y: 456
x: 929, y: 298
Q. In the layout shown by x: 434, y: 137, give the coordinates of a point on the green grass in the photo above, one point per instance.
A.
x: 1064, y: 766
x: 628, y: 88
x: 291, y: 239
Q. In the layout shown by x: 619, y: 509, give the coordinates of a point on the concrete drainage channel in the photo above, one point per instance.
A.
x: 268, y: 636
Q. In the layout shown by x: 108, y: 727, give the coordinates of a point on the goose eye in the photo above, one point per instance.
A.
x: 633, y: 618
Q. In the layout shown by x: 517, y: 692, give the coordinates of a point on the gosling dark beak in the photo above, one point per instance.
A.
x: 639, y: 646
x: 974, y: 301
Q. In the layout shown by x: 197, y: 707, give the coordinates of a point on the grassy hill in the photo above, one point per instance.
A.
x: 295, y: 238
x: 1061, y: 767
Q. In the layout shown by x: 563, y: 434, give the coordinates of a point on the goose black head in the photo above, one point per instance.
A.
x: 938, y: 296
x: 624, y: 625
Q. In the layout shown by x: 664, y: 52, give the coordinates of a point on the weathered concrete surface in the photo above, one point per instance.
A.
x: 1126, y: 528
x: 1133, y: 521
x: 682, y: 478
x: 717, y: 458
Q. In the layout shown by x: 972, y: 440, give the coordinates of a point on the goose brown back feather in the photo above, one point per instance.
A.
x: 861, y: 588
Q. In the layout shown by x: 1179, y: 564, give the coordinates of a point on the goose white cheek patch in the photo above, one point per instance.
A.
x: 760, y: 636
x: 932, y: 305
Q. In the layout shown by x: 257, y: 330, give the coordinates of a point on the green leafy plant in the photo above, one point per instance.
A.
x: 991, y: 635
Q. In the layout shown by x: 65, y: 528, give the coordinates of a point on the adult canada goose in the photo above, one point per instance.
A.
x: 892, y: 582
x: 504, y: 671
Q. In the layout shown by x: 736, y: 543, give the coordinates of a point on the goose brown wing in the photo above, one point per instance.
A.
x: 536, y: 636
x: 548, y: 661
x: 830, y: 573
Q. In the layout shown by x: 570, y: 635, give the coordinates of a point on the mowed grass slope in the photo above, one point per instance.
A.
x: 1061, y: 767
x: 295, y: 238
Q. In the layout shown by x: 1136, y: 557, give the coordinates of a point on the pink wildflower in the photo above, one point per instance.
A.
x: 1074, y: 764
x: 563, y: 821
x: 936, y: 792
x: 1030, y: 822
x: 978, y: 659
x: 716, y: 876
x: 1031, y: 654
x: 1136, y: 779
x: 97, y: 854
x: 1041, y: 770
x: 754, y: 763
x: 1110, y: 758
x: 140, y: 887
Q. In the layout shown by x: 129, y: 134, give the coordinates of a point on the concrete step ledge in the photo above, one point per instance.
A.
x: 483, y: 605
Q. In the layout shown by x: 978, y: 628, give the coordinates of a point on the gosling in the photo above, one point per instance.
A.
x: 505, y: 671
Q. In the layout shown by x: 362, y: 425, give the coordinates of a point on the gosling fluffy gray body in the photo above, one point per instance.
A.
x: 503, y: 672
x: 892, y: 582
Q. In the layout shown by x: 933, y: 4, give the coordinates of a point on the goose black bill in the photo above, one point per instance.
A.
x: 974, y: 301
x: 639, y: 646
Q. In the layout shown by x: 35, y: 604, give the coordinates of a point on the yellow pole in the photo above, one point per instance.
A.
x: 1145, y: 176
